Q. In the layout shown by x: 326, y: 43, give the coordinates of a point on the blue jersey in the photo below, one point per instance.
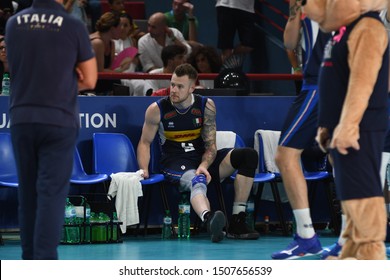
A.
x: 44, y: 45
x: 314, y: 44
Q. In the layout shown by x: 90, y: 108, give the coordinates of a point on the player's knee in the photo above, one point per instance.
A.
x: 245, y: 160
x: 199, y: 186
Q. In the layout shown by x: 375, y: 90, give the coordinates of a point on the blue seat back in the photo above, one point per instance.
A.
x: 78, y: 167
x: 262, y: 168
x: 113, y: 153
x: 7, y: 158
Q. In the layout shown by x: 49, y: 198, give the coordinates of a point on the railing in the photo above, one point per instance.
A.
x: 146, y: 76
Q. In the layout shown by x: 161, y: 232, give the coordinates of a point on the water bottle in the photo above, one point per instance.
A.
x: 250, y: 211
x: 5, y: 84
x: 167, y: 226
x: 94, y: 228
x: 103, y: 234
x: 184, y: 222
x: 72, y: 232
x: 87, y: 223
x: 115, y: 225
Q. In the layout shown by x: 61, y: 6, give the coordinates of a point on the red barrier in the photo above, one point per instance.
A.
x: 145, y: 76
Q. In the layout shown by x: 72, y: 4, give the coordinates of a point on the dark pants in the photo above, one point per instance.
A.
x: 44, y: 158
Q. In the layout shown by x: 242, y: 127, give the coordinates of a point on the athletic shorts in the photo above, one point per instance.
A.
x: 357, y: 173
x: 173, y: 170
x: 229, y: 21
x: 300, y: 126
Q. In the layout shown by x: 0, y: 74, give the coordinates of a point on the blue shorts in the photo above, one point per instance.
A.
x: 175, y: 169
x: 300, y: 126
x: 357, y: 173
x: 229, y: 21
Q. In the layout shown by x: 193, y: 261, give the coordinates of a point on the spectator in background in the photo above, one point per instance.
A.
x: 182, y: 18
x: 6, y: 11
x: 108, y: 29
x: 117, y: 6
x: 159, y: 35
x: 77, y: 9
x: 235, y: 16
x: 205, y: 59
x: 172, y: 56
x: 3, y: 59
x: 126, y: 40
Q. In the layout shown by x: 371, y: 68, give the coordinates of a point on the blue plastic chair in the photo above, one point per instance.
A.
x: 113, y: 153
x: 310, y: 176
x: 80, y: 177
x: 8, y: 172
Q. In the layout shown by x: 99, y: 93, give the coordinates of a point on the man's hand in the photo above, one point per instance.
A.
x: 344, y: 137
x: 323, y: 138
x: 202, y: 170
x: 189, y: 8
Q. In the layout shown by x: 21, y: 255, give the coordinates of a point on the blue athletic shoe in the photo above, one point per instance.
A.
x: 332, y: 250
x: 299, y: 248
x: 388, y: 251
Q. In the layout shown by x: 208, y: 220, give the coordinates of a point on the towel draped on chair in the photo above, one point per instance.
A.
x: 127, y: 188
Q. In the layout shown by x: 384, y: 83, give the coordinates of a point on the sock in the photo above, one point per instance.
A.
x: 239, y: 207
x: 202, y: 216
x: 342, y: 240
x: 304, y: 224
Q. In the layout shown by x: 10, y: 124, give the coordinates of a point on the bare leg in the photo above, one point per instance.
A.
x: 288, y: 161
x: 200, y: 204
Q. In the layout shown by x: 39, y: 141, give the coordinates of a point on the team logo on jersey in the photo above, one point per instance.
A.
x: 182, y: 136
x: 198, y: 122
x: 196, y: 112
x: 171, y: 124
x: 170, y: 115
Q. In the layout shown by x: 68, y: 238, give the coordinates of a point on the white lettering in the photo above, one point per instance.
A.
x: 40, y: 18
x: 98, y: 120
x: 4, y: 122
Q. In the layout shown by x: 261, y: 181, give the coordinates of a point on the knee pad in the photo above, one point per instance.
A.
x: 245, y: 160
x: 186, y: 180
x: 199, y: 186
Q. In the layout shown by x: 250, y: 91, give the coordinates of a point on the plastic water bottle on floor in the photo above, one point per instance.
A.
x: 72, y: 232
x: 5, y: 84
x: 184, y: 222
x: 167, y: 226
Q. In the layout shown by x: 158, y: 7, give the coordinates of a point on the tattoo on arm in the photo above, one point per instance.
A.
x: 294, y: 9
x: 208, y: 134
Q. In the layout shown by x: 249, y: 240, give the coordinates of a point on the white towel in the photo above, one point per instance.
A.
x: 270, y: 145
x: 225, y: 139
x: 127, y: 188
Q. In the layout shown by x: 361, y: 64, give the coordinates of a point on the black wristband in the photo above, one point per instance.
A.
x: 191, y: 19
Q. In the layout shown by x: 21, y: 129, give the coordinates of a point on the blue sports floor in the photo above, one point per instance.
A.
x: 151, y: 247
